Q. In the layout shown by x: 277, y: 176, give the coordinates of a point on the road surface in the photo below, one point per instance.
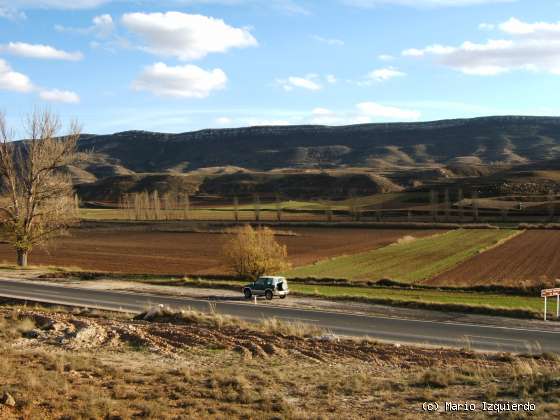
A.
x: 438, y: 333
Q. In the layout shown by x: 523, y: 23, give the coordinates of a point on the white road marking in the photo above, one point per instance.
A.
x: 495, y: 339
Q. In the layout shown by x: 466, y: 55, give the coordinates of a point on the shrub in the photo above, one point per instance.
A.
x: 254, y: 252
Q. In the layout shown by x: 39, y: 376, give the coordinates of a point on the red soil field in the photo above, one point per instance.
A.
x: 527, y: 259
x: 152, y: 252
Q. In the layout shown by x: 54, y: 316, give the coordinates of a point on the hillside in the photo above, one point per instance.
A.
x: 463, y: 142
x: 320, y: 161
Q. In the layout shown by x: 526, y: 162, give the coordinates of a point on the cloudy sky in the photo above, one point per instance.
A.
x: 181, y: 65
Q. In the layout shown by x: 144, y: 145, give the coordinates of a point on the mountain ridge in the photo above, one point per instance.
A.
x: 392, y: 156
x: 490, y: 140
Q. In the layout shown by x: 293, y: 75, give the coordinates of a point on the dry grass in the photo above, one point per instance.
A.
x: 213, y: 319
x: 406, y: 239
x: 188, y: 316
x: 296, y: 329
x: 201, y: 382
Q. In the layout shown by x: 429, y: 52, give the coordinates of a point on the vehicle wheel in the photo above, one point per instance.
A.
x: 268, y: 295
x: 283, y: 296
x: 247, y: 293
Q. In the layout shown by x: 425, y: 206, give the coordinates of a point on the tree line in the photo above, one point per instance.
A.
x: 151, y: 206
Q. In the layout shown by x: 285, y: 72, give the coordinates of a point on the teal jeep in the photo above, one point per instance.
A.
x: 267, y: 286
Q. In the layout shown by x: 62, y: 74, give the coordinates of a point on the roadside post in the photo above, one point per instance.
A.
x: 546, y: 293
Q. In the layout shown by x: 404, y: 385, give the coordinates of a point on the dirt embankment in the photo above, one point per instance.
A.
x: 169, y: 336
x: 189, y: 365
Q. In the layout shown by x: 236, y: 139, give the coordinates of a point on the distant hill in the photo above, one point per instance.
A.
x: 394, y: 156
x: 488, y: 140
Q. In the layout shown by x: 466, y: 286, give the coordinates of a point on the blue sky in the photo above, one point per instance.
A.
x: 181, y: 65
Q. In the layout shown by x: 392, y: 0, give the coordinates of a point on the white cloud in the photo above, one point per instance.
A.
x: 186, y: 36
x: 55, y: 95
x: 385, y: 57
x: 331, y: 78
x: 14, y: 81
x: 374, y: 110
x: 289, y: 7
x: 309, y: 82
x: 286, y: 6
x: 384, y: 74
x: 102, y: 27
x: 363, y: 113
x: 11, y: 14
x: 534, y: 47
x: 328, y: 41
x: 431, y: 49
x: 187, y: 81
x: 324, y: 116
x: 537, y: 30
x: 45, y: 52
x: 486, y: 26
x: 103, y: 24
x: 224, y: 121
x: 52, y: 4
x: 19, y: 82
x: 422, y: 3
x: 256, y: 122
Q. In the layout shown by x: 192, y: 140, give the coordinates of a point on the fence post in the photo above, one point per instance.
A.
x: 545, y: 308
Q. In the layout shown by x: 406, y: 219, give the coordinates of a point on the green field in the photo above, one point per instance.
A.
x: 426, y: 298
x: 410, y: 261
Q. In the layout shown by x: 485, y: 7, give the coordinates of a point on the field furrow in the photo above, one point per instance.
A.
x: 529, y: 259
x: 178, y: 253
x: 412, y: 260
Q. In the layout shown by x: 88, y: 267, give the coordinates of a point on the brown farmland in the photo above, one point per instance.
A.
x: 153, y: 252
x: 527, y: 259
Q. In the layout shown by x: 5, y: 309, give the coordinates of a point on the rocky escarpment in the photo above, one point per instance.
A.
x: 486, y: 141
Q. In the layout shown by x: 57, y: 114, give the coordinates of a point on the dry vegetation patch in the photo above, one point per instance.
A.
x: 185, y: 364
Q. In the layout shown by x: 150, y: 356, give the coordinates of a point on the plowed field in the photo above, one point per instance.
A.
x: 182, y: 253
x: 528, y: 258
x: 409, y: 261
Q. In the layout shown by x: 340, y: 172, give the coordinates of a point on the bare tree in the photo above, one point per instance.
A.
x: 460, y: 204
x: 187, y: 207
x: 278, y: 208
x: 434, y: 204
x: 254, y: 252
x: 77, y: 205
x: 353, y: 205
x: 129, y: 214
x: 147, y: 205
x: 328, y: 210
x: 475, y: 205
x: 156, y: 205
x: 446, y: 204
x: 378, y: 212
x: 504, y: 213
x: 236, y: 208
x: 257, y: 208
x: 550, y: 198
x: 37, y: 199
x: 137, y: 206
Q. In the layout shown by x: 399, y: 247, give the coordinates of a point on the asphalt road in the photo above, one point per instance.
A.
x: 477, y: 337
